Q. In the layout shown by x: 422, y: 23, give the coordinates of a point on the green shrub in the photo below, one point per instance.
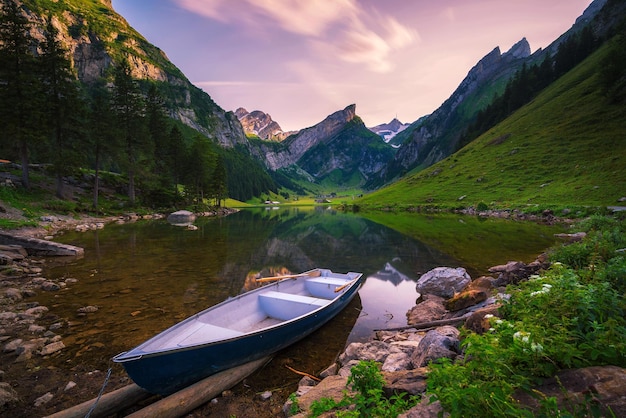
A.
x: 571, y: 316
x: 367, y: 382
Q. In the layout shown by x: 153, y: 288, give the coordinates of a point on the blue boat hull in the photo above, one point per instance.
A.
x: 167, y: 372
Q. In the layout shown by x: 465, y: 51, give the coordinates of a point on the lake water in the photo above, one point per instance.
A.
x: 146, y: 276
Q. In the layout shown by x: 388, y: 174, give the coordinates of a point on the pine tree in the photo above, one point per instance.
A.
x: 64, y: 108
x: 101, y: 135
x: 219, y: 189
x: 20, y: 105
x: 176, y: 151
x: 129, y: 108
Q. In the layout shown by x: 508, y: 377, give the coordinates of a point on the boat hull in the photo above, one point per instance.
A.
x: 167, y: 372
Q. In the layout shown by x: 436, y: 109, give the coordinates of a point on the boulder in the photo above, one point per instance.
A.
x: 514, y: 272
x: 438, y: 343
x: 181, y: 217
x: 425, y: 409
x: 572, y: 387
x: 443, y: 281
x: 8, y: 396
x: 430, y: 309
x: 412, y: 382
x: 466, y: 299
x: 477, y: 321
x: 372, y: 350
x: 331, y: 387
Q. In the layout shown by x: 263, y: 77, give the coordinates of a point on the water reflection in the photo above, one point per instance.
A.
x: 146, y: 276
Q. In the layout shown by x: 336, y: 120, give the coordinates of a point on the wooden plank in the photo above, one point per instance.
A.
x: 190, y: 398
x: 109, y: 403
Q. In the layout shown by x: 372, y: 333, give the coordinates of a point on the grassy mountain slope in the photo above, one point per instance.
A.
x: 566, y: 147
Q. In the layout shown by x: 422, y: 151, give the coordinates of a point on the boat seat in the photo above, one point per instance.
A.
x: 286, y: 306
x: 206, y: 333
x: 324, y: 287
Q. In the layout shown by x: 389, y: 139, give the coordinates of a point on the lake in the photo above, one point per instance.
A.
x: 143, y: 277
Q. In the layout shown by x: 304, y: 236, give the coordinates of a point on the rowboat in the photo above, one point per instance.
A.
x: 239, y: 330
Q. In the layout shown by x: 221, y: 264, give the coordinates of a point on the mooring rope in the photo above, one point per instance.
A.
x: 106, y: 380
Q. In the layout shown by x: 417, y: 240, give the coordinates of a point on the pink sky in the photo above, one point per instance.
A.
x: 301, y: 60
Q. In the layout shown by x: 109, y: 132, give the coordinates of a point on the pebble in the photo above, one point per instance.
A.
x: 43, y: 399
x: 70, y: 385
x: 52, y: 348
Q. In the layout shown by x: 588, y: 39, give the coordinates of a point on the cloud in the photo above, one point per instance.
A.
x: 336, y: 27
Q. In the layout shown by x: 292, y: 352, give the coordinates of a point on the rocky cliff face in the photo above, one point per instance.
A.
x: 261, y: 124
x: 97, y: 40
x: 294, y: 147
x: 340, y: 143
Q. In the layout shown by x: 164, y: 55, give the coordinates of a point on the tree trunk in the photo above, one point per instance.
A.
x: 131, y: 186
x: 24, y: 159
x: 59, y: 188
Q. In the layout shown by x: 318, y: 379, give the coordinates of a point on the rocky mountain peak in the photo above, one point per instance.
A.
x: 295, y: 146
x: 261, y: 124
x: 520, y: 50
x: 388, y: 131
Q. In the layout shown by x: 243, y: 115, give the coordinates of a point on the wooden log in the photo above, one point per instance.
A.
x: 430, y: 324
x: 190, y: 398
x: 109, y: 403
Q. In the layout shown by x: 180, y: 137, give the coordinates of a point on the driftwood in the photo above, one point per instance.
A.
x: 190, y: 398
x: 430, y: 324
x: 108, y: 404
x: 310, y: 376
x: 172, y: 406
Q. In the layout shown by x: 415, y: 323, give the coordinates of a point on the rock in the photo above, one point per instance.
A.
x: 571, y: 238
x: 37, y: 311
x: 265, y: 395
x: 443, y: 281
x: 331, y: 387
x: 181, y: 217
x: 329, y: 371
x: 412, y: 382
x: 438, y: 343
x: 13, y: 294
x: 372, y: 350
x: 425, y: 409
x: 7, y: 316
x: 571, y: 387
x: 13, y: 345
x: 70, y: 385
x: 43, y: 399
x: 8, y: 396
x: 87, y: 309
x: 36, y: 329
x: 397, y: 361
x: 52, y: 348
x: 49, y: 286
x: 477, y: 321
x: 515, y: 271
x: 430, y: 309
x: 466, y: 299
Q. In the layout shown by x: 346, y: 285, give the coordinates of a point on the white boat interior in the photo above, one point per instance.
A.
x: 262, y: 308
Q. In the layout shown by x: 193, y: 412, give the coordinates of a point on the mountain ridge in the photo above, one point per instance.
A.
x: 262, y: 125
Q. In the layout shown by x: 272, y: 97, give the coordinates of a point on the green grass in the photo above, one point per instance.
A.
x: 566, y: 147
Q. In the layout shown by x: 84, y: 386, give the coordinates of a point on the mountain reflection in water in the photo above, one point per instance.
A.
x: 146, y: 276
